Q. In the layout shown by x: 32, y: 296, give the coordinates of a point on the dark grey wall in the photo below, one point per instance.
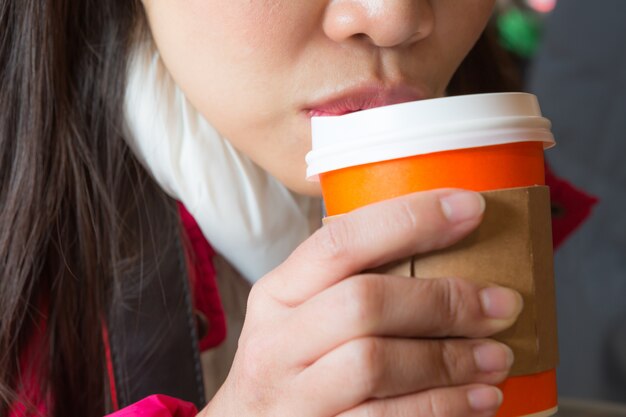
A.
x: 580, y: 78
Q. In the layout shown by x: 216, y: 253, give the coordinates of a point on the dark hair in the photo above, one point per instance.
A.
x: 63, y: 169
x: 65, y: 173
x: 488, y: 68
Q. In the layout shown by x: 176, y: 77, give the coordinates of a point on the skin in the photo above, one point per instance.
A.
x: 322, y: 338
x: 252, y: 67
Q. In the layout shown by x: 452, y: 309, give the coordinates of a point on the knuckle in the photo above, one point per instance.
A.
x: 255, y: 353
x: 252, y: 369
x: 407, y: 216
x: 257, y: 296
x: 450, y: 361
x: 452, y: 299
x: 368, y: 364
x: 424, y: 215
x: 363, y: 301
x: 374, y: 409
x: 331, y: 241
x: 370, y: 408
x: 437, y: 405
x: 255, y: 292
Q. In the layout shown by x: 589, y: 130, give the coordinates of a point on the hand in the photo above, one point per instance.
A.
x: 324, y: 339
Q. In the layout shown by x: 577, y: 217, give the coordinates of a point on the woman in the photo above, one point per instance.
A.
x: 87, y: 231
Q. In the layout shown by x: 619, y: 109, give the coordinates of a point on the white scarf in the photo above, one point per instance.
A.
x: 246, y: 214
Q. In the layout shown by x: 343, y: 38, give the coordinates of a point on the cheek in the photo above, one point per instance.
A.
x: 226, y: 55
x: 233, y: 60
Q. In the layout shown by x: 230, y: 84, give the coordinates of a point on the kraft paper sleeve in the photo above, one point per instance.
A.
x: 512, y: 247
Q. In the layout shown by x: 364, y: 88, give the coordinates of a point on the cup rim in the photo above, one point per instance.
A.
x: 423, y: 127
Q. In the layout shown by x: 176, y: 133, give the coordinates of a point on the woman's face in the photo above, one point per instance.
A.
x: 258, y: 69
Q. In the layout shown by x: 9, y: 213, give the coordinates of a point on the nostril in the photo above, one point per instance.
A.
x: 363, y: 38
x: 383, y: 23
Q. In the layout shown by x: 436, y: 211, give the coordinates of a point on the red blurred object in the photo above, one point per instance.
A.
x: 158, y: 406
x: 570, y: 207
x: 542, y: 6
x: 206, y: 298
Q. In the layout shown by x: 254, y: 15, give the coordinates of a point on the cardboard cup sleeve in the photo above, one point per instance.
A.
x: 512, y: 247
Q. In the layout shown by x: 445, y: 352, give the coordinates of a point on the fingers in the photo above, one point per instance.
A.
x: 384, y: 368
x: 467, y: 401
x: 380, y: 305
x: 373, y: 236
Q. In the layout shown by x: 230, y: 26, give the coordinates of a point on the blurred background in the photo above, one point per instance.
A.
x: 572, y: 54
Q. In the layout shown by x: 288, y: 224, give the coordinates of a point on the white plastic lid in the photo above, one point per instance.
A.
x: 423, y: 127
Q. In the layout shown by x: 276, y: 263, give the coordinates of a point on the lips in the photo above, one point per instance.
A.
x: 363, y: 98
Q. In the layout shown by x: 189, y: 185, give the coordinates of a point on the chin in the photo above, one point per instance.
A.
x: 303, y: 186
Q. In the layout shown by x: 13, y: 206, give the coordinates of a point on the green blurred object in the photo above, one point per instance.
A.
x: 520, y: 32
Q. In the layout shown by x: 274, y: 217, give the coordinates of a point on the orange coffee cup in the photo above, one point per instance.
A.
x: 476, y: 142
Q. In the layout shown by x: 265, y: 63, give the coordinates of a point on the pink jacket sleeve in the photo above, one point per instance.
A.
x: 158, y: 406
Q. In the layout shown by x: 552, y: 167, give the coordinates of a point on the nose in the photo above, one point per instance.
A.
x: 384, y: 23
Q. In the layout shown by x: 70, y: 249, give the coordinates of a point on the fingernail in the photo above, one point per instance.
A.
x: 462, y: 206
x: 500, y: 303
x: 484, y: 398
x: 493, y: 357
